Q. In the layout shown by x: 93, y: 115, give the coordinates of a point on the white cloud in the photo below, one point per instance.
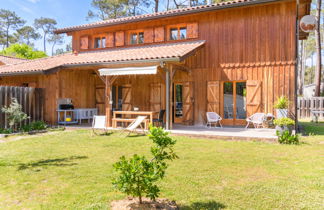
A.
x: 33, y: 1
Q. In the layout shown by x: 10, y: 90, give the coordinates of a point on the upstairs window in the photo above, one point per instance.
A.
x: 100, y: 42
x: 136, y: 38
x: 178, y: 33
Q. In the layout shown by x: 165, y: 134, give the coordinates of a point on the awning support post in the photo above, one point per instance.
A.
x: 167, y: 98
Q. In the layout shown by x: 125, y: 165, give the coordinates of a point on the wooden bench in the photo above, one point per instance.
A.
x: 116, y: 120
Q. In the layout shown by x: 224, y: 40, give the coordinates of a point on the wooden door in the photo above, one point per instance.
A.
x: 100, y: 99
x: 127, y: 97
x: 188, y: 103
x: 156, y: 96
x: 213, y: 96
x: 253, y: 96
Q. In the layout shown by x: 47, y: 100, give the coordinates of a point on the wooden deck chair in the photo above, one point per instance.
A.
x: 99, y: 123
x: 135, y: 124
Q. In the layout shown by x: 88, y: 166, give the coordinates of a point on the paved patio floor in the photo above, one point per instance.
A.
x: 231, y: 133
x: 227, y: 133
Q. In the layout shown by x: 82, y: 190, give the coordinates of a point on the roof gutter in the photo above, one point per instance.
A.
x: 99, y: 64
x: 205, y: 9
x: 22, y: 73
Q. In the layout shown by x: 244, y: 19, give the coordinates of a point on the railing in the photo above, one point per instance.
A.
x: 31, y: 100
x: 306, y: 105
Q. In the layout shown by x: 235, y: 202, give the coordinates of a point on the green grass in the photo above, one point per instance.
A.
x: 72, y: 170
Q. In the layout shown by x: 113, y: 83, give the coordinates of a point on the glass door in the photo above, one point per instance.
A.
x: 178, y: 103
x: 234, y: 102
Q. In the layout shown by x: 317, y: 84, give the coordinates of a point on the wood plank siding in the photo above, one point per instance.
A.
x: 251, y: 43
x: 78, y: 84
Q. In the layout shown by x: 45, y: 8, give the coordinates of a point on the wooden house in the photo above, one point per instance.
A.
x: 234, y: 58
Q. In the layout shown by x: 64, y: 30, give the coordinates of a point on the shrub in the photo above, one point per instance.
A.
x: 34, y: 126
x: 285, y: 121
x: 287, y: 138
x: 282, y: 103
x: 14, y: 113
x: 5, y: 131
x: 38, y: 125
x: 26, y: 128
x: 138, y: 175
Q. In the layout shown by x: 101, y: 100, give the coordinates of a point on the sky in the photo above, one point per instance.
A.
x: 66, y: 12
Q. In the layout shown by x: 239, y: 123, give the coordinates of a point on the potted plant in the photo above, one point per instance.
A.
x: 281, y: 107
x: 284, y: 124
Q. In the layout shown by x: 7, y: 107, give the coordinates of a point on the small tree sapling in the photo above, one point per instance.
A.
x: 138, y: 175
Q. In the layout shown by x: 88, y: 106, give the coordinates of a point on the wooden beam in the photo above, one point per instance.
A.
x: 101, y: 77
x: 182, y: 67
x: 107, y: 101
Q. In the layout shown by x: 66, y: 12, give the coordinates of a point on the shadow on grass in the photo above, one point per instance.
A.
x: 59, y: 162
x: 212, y: 205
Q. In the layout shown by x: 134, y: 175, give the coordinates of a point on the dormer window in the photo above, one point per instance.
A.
x: 136, y: 37
x: 99, y: 42
x: 178, y: 33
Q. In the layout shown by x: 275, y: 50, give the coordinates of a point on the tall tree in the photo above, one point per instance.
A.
x: 47, y: 25
x: 22, y: 51
x: 318, y: 49
x: 55, y: 39
x: 107, y: 9
x: 9, y: 21
x: 26, y: 34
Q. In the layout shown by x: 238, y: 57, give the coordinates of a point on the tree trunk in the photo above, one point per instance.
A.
x: 7, y: 40
x: 300, y: 69
x: 156, y: 9
x: 44, y: 42
x: 318, y: 50
x: 53, y: 48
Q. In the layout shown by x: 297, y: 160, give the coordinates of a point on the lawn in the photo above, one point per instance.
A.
x: 73, y: 170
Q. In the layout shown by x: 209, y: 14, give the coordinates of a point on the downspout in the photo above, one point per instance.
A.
x: 296, y: 64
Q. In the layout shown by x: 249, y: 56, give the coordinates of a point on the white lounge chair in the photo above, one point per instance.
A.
x: 256, y: 119
x: 99, y: 123
x: 213, y: 118
x: 135, y: 124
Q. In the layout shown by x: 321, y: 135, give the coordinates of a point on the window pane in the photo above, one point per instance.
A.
x: 141, y: 38
x: 97, y: 43
x: 178, y: 102
x: 173, y: 34
x: 133, y: 38
x: 103, y: 41
x: 183, y: 33
x: 228, y: 100
x: 240, y: 100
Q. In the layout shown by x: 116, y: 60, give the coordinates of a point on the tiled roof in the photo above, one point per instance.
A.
x: 175, y: 12
x: 160, y: 52
x: 7, y: 60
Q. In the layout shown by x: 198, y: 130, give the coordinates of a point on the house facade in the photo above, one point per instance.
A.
x: 232, y: 58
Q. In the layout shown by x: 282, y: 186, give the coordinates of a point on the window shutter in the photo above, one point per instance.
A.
x: 192, y: 30
x: 84, y: 43
x: 110, y: 40
x: 253, y: 97
x: 159, y: 34
x: 188, y: 103
x: 120, y: 38
x: 148, y: 35
x: 213, y: 90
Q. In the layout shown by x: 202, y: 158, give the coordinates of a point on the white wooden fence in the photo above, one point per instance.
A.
x: 306, y: 105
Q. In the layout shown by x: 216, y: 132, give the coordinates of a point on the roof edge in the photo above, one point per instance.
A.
x: 207, y: 8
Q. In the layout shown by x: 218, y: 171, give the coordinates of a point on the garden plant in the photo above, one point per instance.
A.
x: 138, y: 175
x: 14, y: 113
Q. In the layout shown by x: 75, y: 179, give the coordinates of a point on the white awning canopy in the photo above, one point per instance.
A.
x: 128, y: 71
